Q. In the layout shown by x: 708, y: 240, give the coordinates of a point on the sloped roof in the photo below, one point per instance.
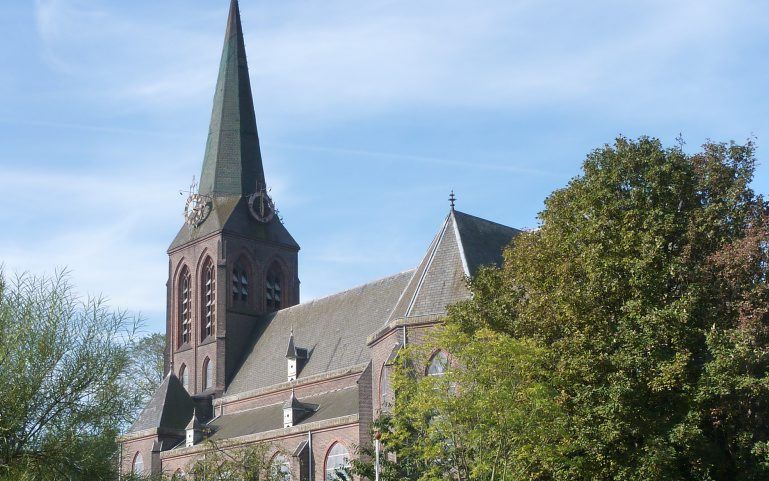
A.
x: 333, y: 404
x: 232, y: 165
x: 463, y: 244
x: 231, y: 214
x: 332, y: 329
x: 171, y: 407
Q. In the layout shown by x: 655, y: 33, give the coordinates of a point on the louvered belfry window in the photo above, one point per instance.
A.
x: 209, y: 298
x: 240, y: 284
x: 185, y: 305
x: 274, y: 289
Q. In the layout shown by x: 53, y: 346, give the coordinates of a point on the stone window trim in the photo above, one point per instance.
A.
x: 329, y: 454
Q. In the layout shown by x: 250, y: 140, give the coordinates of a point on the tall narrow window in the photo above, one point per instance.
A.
x: 185, y: 306
x: 138, y: 464
x: 385, y: 390
x: 208, y: 374
x: 240, y: 283
x: 184, y: 377
x: 209, y: 298
x: 337, y: 462
x: 274, y: 288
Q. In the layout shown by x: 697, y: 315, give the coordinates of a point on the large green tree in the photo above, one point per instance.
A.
x: 64, y: 381
x: 645, y: 291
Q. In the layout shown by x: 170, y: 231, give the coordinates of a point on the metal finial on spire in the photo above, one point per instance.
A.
x: 452, y: 199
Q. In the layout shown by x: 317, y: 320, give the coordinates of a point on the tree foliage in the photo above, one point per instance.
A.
x: 147, y: 365
x: 63, y: 366
x: 643, y: 296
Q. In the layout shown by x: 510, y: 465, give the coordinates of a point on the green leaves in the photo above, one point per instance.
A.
x: 625, y: 339
x: 62, y: 367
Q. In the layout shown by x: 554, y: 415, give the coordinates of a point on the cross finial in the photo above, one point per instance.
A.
x: 452, y: 199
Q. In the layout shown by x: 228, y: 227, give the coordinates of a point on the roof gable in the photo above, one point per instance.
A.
x: 463, y: 244
x: 170, y: 407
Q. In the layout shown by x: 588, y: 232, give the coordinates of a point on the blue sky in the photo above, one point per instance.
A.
x: 369, y: 114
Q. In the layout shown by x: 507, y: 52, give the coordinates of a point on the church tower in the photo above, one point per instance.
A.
x: 233, y: 261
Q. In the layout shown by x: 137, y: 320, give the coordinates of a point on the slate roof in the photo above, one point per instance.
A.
x: 333, y: 404
x: 231, y: 214
x: 232, y: 165
x: 171, y: 407
x: 463, y: 244
x: 332, y: 329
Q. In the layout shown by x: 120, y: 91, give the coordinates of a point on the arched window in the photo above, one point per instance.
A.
x: 138, y: 464
x: 184, y: 377
x: 208, y: 374
x: 385, y: 390
x: 185, y: 306
x: 240, y: 283
x: 337, y: 462
x: 208, y: 302
x: 438, y: 364
x: 274, y: 288
x: 281, y: 468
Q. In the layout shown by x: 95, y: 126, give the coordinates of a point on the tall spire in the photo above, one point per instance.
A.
x: 233, y: 161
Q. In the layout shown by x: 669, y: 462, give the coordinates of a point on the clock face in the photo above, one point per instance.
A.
x: 261, y: 206
x: 196, y: 210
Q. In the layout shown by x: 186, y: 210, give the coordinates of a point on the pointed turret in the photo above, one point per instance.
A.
x: 233, y: 159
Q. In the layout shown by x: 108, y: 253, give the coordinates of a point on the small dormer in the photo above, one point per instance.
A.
x: 295, y: 357
x: 194, y: 430
x: 295, y: 411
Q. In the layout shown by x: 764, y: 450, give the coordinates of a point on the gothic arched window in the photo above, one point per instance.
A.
x: 184, y: 377
x: 281, y: 468
x: 337, y: 462
x: 240, y: 287
x: 274, y: 288
x: 138, y: 465
x: 208, y: 302
x: 385, y: 390
x: 208, y: 374
x: 439, y: 364
x: 185, y: 306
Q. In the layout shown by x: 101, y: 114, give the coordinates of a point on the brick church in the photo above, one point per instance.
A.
x: 246, y: 361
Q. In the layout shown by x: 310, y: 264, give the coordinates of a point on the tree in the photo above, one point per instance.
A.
x: 644, y: 294
x: 147, y: 366
x: 488, y: 416
x: 63, y: 367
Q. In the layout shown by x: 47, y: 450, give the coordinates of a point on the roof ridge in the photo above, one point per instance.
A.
x: 487, y: 220
x: 360, y: 286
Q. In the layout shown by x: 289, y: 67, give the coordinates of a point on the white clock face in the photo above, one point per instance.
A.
x: 261, y: 206
x: 196, y: 210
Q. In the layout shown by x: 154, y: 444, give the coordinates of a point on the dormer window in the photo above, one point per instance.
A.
x: 240, y: 287
x: 185, y: 306
x: 295, y: 357
x: 209, y: 298
x: 274, y: 288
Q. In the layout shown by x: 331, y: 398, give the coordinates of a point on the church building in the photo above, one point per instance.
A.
x: 246, y: 361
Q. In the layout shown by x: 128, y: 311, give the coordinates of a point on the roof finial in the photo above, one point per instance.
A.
x: 452, y: 199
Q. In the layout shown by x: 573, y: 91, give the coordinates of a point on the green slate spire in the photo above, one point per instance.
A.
x: 233, y: 162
